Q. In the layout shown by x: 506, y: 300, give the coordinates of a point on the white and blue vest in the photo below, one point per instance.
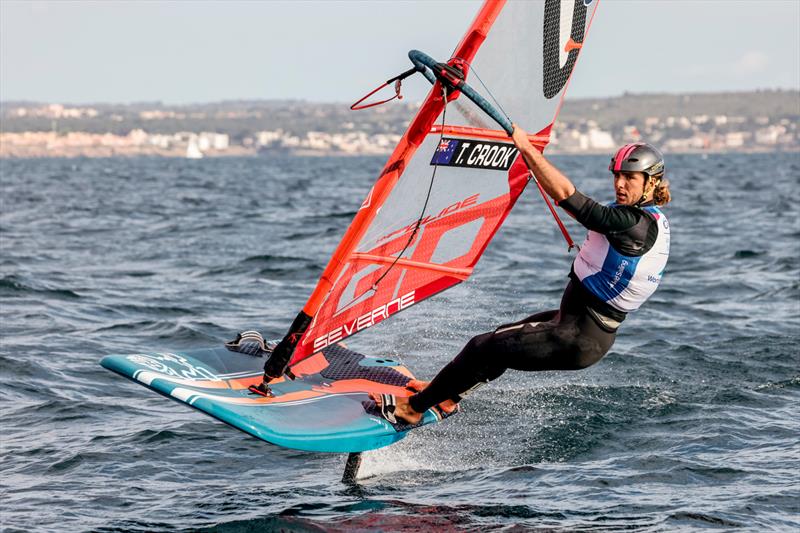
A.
x: 623, y: 282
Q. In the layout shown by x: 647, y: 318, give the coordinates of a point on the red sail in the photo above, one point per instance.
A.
x: 416, y: 235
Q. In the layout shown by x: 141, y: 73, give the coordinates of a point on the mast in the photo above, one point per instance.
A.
x: 420, y: 126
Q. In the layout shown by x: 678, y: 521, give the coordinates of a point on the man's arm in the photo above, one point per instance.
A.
x: 554, y: 183
x: 599, y: 218
x: 627, y: 228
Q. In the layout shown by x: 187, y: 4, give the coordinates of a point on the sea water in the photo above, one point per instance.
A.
x: 690, y: 422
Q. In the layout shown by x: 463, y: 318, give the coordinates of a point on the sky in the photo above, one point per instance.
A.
x: 183, y: 52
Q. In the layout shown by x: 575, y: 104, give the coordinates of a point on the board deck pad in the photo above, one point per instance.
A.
x: 325, y: 409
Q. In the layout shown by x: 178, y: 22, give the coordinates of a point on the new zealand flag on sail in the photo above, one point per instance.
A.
x: 474, y: 154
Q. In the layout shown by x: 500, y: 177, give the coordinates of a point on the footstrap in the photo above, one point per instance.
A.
x: 251, y: 343
x: 388, y: 407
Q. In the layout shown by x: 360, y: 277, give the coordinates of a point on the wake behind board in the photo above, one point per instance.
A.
x: 325, y: 409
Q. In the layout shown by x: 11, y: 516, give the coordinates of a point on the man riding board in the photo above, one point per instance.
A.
x: 617, y: 269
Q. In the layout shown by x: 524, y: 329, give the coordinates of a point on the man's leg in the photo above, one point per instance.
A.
x: 480, y: 361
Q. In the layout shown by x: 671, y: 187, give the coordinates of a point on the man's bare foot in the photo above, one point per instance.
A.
x: 402, y: 408
x: 448, y: 406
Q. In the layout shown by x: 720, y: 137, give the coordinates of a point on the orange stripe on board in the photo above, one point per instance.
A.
x: 311, y: 365
x: 199, y: 383
x: 244, y: 383
x: 344, y: 386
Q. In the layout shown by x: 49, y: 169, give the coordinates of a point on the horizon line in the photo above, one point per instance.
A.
x: 335, y: 102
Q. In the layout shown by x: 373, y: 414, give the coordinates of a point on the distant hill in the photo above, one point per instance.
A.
x: 240, y: 119
x: 631, y: 108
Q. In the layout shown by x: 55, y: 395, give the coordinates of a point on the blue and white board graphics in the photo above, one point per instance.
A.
x: 325, y: 409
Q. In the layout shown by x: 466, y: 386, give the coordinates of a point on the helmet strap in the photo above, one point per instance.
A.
x: 647, y: 179
x: 643, y: 199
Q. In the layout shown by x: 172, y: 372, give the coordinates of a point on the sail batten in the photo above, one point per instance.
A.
x: 462, y: 273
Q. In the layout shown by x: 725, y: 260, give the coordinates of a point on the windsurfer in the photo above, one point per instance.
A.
x: 618, y: 267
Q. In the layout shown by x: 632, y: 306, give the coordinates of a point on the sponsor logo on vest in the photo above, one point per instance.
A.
x: 618, y: 274
x: 364, y: 321
x: 654, y: 279
x: 474, y: 154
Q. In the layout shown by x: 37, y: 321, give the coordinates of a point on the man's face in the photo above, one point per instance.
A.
x: 628, y: 187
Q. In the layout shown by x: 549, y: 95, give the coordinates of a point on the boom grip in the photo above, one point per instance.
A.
x: 431, y: 69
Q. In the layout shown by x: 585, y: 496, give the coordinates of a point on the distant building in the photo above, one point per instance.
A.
x: 735, y: 139
x: 55, y: 111
x: 598, y: 139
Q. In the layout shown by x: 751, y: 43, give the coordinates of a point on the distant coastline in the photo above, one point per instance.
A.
x: 757, y: 121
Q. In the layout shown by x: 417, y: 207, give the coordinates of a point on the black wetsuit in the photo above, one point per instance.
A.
x: 575, y: 336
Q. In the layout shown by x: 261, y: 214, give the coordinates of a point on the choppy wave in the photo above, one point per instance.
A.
x: 689, y: 423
